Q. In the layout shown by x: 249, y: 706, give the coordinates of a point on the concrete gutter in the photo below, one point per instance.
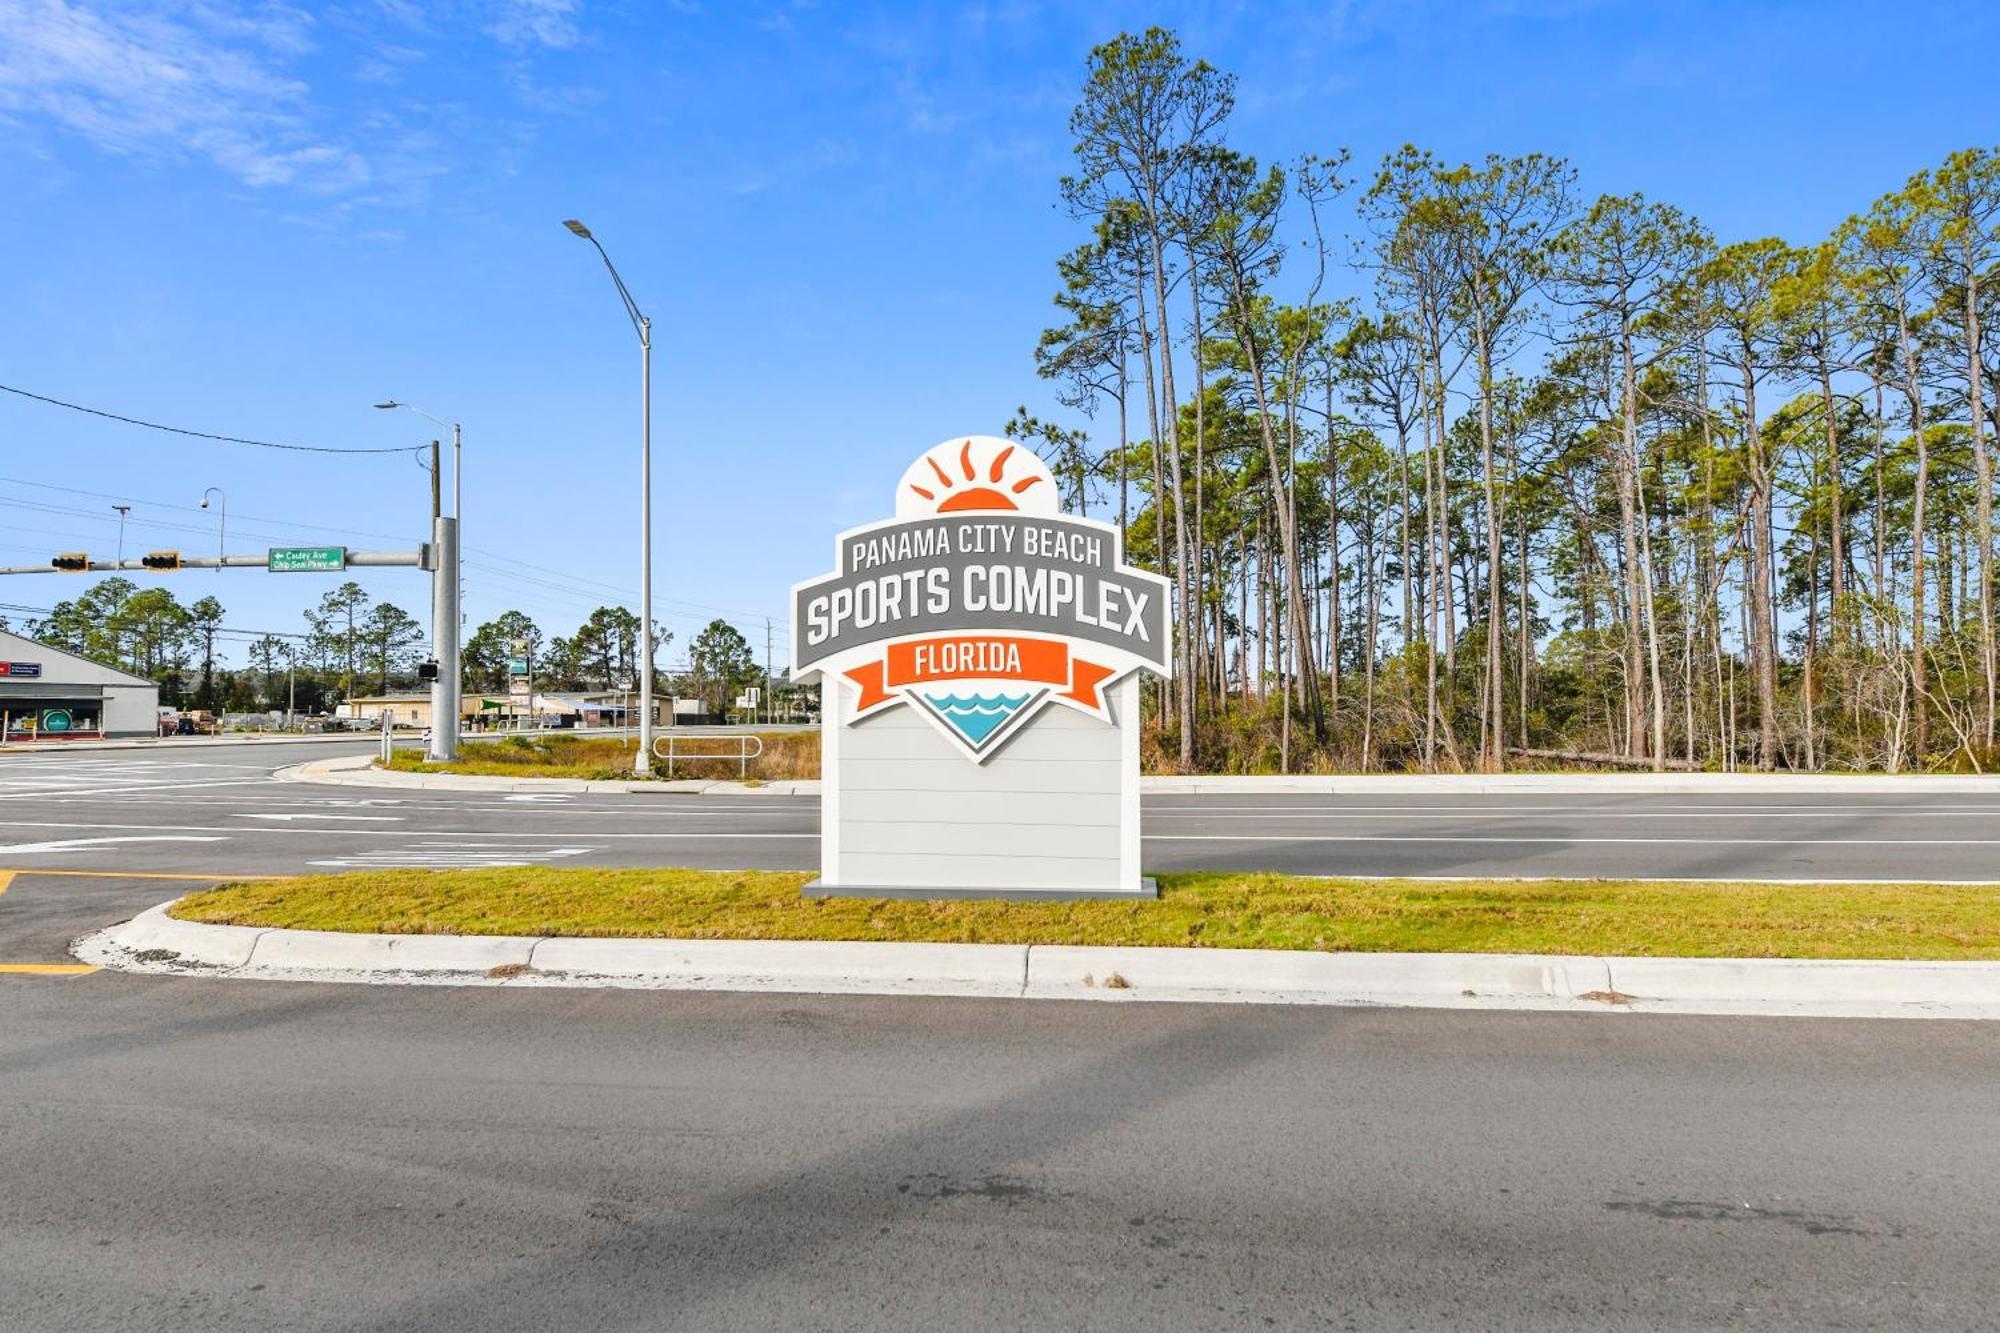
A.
x: 360, y: 771
x: 154, y: 942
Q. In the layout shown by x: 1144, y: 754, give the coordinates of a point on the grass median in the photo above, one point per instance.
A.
x: 1224, y: 911
x: 786, y: 754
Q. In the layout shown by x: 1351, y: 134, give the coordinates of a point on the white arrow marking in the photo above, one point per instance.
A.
x: 92, y: 842
x: 394, y: 819
x: 538, y: 796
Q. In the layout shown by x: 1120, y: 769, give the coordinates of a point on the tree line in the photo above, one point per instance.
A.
x: 1574, y: 477
x: 354, y: 645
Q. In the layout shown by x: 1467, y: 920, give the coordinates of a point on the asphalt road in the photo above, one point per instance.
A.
x: 179, y: 1153
x: 217, y: 809
x: 187, y: 1154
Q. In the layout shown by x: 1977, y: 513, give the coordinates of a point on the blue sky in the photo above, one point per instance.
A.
x: 259, y: 219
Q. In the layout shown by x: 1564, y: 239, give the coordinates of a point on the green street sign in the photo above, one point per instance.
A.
x: 307, y: 559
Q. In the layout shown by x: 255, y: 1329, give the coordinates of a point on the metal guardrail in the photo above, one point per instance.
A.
x: 747, y: 748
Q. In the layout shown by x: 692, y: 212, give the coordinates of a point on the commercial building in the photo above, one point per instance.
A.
x: 487, y: 711
x: 47, y: 693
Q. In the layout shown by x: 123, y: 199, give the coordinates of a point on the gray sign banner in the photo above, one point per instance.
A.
x: 998, y: 572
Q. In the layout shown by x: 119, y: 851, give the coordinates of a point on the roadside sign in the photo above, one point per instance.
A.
x: 307, y: 559
x: 969, y: 649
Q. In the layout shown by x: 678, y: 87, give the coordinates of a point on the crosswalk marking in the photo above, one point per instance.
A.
x: 450, y: 856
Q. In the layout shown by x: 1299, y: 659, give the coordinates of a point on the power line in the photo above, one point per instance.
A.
x: 578, y: 583
x: 168, y: 504
x: 249, y: 527
x: 203, y: 434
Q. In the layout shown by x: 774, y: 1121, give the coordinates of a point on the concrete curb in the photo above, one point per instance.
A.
x: 156, y: 943
x: 359, y: 771
x: 1570, y: 784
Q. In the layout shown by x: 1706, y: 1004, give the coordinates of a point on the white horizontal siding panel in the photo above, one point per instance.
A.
x: 959, y: 872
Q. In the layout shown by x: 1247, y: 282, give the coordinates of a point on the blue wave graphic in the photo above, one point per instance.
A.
x: 977, y: 716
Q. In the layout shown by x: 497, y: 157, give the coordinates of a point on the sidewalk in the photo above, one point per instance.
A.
x: 153, y: 942
x: 359, y: 771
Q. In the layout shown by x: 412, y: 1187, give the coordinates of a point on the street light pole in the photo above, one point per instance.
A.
x: 643, y: 763
x: 122, y: 511
x: 222, y: 523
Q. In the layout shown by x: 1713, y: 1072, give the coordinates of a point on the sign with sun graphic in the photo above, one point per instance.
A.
x: 979, y: 657
x: 980, y: 603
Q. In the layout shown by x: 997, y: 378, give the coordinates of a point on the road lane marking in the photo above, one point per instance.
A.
x: 71, y: 844
x: 41, y: 873
x: 451, y: 856
x: 52, y: 792
x: 46, y: 969
x: 394, y: 819
x: 7, y: 879
x: 240, y: 830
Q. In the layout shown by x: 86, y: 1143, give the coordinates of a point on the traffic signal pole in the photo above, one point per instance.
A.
x: 444, y: 634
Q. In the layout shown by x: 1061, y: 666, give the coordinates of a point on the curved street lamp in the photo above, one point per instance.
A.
x: 643, y: 326
x: 222, y: 523
x: 441, y: 424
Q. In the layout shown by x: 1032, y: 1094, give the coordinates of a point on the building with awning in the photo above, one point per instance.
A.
x: 49, y: 693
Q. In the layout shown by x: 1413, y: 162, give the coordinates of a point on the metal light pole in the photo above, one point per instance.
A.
x: 221, y: 526
x: 122, y: 511
x: 447, y: 689
x: 643, y: 764
x: 457, y: 511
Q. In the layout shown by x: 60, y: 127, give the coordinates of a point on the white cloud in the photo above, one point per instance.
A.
x: 549, y: 23
x: 187, y: 78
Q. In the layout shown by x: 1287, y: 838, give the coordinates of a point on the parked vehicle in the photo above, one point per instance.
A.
x: 195, y: 722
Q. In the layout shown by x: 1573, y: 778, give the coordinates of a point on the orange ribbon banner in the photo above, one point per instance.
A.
x: 978, y: 657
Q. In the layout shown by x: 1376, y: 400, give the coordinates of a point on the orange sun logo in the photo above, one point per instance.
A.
x: 978, y: 472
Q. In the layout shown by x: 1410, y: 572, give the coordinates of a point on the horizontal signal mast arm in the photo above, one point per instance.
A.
x: 417, y: 559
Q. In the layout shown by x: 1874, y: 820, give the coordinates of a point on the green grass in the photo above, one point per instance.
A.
x: 787, y: 754
x: 1229, y: 911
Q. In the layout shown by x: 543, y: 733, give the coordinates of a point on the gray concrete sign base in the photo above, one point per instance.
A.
x: 1148, y: 890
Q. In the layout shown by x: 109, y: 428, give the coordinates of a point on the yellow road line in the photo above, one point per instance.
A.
x: 46, y: 969
x: 124, y: 874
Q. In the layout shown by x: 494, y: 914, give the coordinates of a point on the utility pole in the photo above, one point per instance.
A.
x: 767, y: 669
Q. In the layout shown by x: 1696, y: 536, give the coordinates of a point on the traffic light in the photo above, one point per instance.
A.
x: 427, y: 671
x: 72, y: 562
x: 161, y: 560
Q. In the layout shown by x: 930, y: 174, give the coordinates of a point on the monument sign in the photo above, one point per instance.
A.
x: 978, y: 657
